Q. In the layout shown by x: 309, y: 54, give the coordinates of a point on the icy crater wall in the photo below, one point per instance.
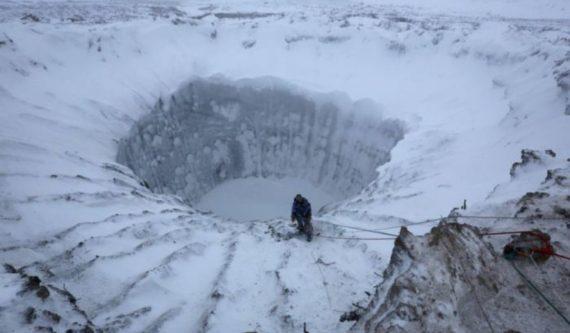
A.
x: 211, y: 131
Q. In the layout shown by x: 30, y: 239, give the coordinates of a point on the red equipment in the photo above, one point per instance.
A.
x: 534, y: 244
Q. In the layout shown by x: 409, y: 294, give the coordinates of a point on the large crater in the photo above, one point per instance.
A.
x: 214, y: 131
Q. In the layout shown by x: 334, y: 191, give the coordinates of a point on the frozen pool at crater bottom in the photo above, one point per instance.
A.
x: 256, y: 198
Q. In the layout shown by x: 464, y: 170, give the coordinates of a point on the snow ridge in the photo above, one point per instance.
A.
x: 453, y: 279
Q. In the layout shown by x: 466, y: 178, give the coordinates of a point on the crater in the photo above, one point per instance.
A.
x: 240, y: 148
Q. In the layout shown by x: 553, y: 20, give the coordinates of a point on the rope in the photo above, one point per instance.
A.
x: 473, y: 217
x: 503, y: 233
x: 548, y: 218
x: 380, y: 230
x: 394, y: 236
x: 469, y: 217
x: 323, y: 280
x: 360, y: 229
x: 539, y: 293
x: 543, y: 280
x: 514, y: 217
x: 461, y: 259
x: 411, y: 224
x: 561, y: 256
x: 559, y: 299
x: 481, y: 308
x: 355, y: 238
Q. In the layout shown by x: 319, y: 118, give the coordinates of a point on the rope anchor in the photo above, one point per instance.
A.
x: 534, y: 244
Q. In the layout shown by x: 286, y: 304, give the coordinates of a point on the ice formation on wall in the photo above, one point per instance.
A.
x: 214, y: 130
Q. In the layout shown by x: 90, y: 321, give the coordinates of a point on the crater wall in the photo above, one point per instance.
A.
x: 211, y: 131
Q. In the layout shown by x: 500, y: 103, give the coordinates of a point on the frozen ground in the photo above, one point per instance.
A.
x: 471, y: 82
x: 252, y: 198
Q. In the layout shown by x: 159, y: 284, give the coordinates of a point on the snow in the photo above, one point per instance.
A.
x: 474, y: 81
x: 253, y: 198
x: 9, y: 289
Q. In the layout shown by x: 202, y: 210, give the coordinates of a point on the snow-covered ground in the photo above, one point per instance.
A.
x: 474, y: 82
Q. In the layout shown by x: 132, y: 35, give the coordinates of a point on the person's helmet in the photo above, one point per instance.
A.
x: 298, y: 198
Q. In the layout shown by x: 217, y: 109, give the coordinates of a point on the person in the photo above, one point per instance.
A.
x: 301, y: 211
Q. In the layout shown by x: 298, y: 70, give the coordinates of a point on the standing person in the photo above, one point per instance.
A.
x: 301, y: 211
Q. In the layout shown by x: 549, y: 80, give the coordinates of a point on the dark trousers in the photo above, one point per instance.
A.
x: 301, y: 222
x: 304, y: 226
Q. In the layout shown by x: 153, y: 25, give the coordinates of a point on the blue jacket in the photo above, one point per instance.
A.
x: 302, y: 208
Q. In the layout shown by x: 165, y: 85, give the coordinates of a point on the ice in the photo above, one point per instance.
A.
x: 261, y: 198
